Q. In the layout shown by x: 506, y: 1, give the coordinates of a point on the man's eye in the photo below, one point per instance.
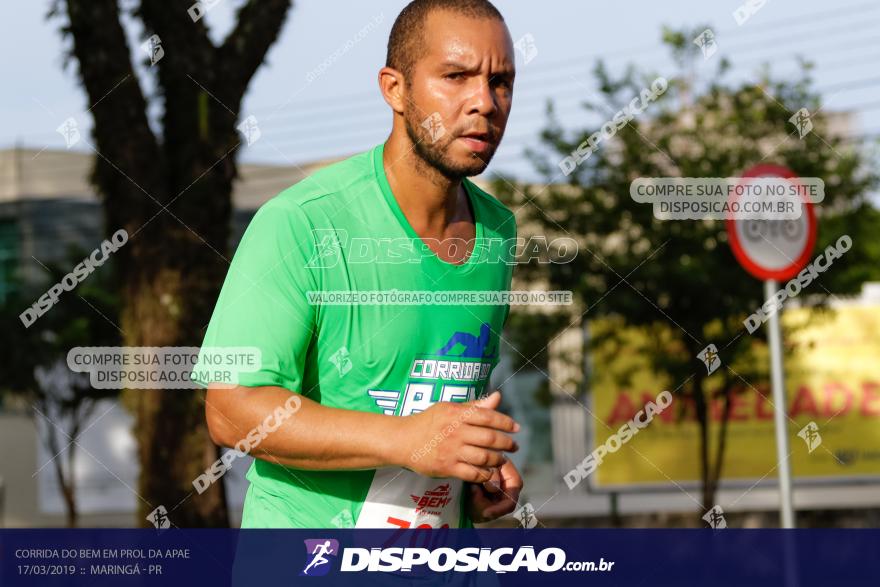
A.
x: 454, y: 76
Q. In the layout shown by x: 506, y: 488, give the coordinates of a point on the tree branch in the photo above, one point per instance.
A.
x: 128, y: 149
x: 102, y: 51
x: 188, y: 47
x: 259, y: 23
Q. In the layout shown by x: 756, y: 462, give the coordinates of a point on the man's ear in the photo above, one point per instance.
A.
x: 393, y: 87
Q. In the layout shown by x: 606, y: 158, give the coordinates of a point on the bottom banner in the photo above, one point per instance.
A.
x: 439, y: 557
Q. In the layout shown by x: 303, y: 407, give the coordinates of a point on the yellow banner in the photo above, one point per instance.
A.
x: 832, y: 369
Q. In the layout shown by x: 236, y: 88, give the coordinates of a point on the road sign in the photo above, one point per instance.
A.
x: 776, y: 250
x: 773, y: 249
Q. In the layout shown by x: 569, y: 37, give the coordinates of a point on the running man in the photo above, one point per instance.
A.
x: 395, y: 428
x: 319, y: 552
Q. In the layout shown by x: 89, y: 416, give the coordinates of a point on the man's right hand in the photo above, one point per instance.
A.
x: 462, y: 440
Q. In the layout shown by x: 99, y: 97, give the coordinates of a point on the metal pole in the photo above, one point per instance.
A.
x: 777, y: 378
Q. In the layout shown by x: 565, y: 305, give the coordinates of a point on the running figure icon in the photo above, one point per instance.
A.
x: 320, y: 550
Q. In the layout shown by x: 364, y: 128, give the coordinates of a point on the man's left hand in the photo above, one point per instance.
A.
x: 496, y: 497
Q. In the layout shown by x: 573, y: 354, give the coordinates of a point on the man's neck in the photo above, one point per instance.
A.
x: 434, y: 205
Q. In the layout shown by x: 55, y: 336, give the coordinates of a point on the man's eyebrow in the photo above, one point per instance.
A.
x: 502, y: 71
x: 459, y: 65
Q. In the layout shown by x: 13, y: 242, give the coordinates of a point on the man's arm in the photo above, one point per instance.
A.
x: 316, y: 437
x: 446, y: 440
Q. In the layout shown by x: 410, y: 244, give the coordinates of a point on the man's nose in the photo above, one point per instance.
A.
x: 480, y: 99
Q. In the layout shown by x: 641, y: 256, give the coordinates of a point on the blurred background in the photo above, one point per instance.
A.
x: 178, y: 122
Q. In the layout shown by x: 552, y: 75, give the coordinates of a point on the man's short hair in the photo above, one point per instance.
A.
x: 406, y: 44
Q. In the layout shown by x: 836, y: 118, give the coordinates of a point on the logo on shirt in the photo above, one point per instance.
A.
x: 457, y: 373
x: 473, y: 346
x: 432, y: 501
x: 341, y: 359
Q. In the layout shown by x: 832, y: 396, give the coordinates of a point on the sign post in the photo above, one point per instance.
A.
x: 777, y: 378
x: 775, y: 251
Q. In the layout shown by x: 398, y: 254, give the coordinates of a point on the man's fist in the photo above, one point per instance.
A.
x: 463, y: 440
x: 495, y: 498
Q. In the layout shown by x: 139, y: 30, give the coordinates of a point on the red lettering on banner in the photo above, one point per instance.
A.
x: 688, y: 409
x: 834, y: 399
x: 871, y: 398
x: 763, y: 409
x: 804, y: 402
x: 665, y: 415
x: 737, y: 406
x: 623, y: 410
x: 832, y: 407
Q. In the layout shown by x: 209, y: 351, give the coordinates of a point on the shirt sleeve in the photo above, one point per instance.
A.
x: 263, y: 304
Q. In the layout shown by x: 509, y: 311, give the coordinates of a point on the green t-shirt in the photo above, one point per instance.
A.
x: 341, y: 230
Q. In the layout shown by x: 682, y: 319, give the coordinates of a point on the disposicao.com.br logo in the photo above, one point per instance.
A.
x: 444, y: 559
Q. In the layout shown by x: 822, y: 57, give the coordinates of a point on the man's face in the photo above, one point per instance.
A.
x: 460, y: 92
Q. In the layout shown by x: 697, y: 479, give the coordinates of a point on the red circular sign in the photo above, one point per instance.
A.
x: 773, y: 249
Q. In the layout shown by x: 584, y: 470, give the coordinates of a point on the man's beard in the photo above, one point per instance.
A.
x: 434, y: 153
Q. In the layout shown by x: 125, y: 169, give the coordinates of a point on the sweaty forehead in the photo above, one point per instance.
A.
x: 467, y: 41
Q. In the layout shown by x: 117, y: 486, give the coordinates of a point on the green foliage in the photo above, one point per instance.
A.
x: 683, y: 272
x: 678, y: 281
x: 85, y: 316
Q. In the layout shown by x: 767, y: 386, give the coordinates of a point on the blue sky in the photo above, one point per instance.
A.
x: 340, y: 111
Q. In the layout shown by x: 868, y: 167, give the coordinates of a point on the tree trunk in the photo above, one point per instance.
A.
x: 173, y: 196
x: 68, y: 487
x: 66, y: 480
x: 170, y: 288
x: 718, y: 465
x: 702, y: 414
